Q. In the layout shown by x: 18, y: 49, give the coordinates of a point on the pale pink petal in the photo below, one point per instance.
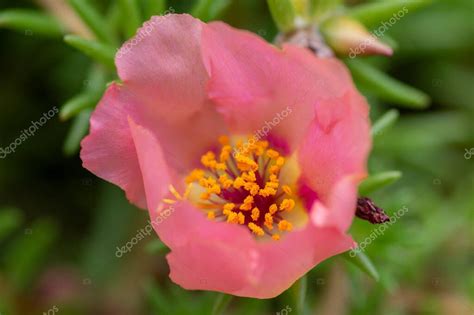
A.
x: 162, y: 66
x: 258, y: 87
x: 339, y: 208
x: 108, y: 151
x: 163, y: 91
x: 157, y: 176
x: 337, y: 143
x: 285, y: 261
x: 221, y: 258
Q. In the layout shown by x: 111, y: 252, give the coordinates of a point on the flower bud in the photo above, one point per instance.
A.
x: 349, y: 37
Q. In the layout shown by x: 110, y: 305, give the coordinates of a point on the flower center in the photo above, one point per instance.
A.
x: 241, y: 184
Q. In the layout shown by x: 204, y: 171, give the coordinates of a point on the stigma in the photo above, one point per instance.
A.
x: 240, y: 183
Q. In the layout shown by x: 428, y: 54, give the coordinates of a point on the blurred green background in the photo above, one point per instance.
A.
x: 60, y: 225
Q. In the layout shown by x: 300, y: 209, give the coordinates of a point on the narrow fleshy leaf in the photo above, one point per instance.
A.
x: 100, y: 52
x: 131, y: 18
x: 283, y: 14
x: 156, y: 247
x: 10, y: 219
x: 385, y: 122
x: 349, y: 37
x: 377, y: 181
x: 153, y: 7
x: 375, y: 13
x: 158, y: 301
x: 390, y: 41
x: 26, y: 253
x: 221, y: 303
x: 78, y: 130
x: 363, y: 262
x: 299, y: 291
x: 320, y: 8
x: 78, y: 103
x: 386, y: 87
x: 94, y: 20
x: 207, y: 10
x: 30, y: 22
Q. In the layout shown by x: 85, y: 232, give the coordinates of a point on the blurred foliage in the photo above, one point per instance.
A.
x: 60, y: 226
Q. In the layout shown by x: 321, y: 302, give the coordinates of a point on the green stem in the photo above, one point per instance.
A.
x: 221, y: 303
x: 301, y: 287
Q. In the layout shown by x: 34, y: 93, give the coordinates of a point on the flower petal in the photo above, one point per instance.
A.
x: 162, y: 66
x: 337, y: 143
x: 217, y: 256
x: 157, y: 176
x: 339, y: 208
x: 109, y: 151
x: 258, y: 87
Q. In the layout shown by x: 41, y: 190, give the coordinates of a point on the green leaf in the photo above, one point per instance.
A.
x: 30, y: 20
x: 283, y: 14
x: 153, y: 7
x: 385, y: 122
x: 386, y: 87
x: 377, y: 181
x: 156, y: 247
x: 78, y: 103
x: 320, y: 8
x: 363, y: 262
x: 371, y: 14
x: 131, y: 18
x: 10, y: 219
x: 298, y: 291
x: 207, y: 10
x: 78, y: 130
x: 221, y: 303
x: 94, y: 20
x: 157, y: 299
x: 26, y: 253
x: 100, y: 258
x: 100, y: 52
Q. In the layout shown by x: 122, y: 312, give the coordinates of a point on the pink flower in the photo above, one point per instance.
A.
x: 250, y: 216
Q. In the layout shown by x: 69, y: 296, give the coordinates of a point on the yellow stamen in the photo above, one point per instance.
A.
x: 175, y: 192
x: 269, y: 221
x: 211, y: 215
x: 284, y: 225
x: 233, y: 217
x: 247, y: 205
x: 228, y: 207
x: 195, y: 175
x: 272, y: 154
x: 223, y: 140
x: 255, y: 214
x: 256, y: 229
x: 280, y: 161
x: 273, y: 209
x: 287, y: 189
x: 241, y: 218
x: 238, y: 182
x: 287, y: 204
x: 276, y: 237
